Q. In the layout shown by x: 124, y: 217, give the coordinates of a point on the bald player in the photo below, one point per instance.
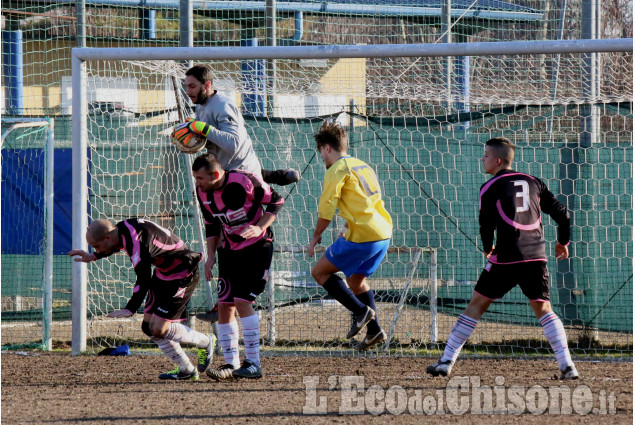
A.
x: 167, y: 289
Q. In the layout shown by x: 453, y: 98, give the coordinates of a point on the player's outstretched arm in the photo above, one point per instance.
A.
x: 82, y: 256
x: 120, y: 313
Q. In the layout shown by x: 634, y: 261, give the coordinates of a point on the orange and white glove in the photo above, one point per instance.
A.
x: 185, y: 131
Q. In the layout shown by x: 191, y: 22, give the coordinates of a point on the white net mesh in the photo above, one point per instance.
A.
x: 424, y: 137
x: 25, y: 231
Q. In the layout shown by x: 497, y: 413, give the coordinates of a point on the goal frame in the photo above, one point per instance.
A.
x: 80, y: 107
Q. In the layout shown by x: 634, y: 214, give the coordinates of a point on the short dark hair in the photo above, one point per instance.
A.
x: 332, y: 134
x: 207, y: 161
x: 503, y: 149
x: 201, y: 72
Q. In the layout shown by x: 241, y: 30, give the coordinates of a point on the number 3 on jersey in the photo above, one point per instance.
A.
x: 367, y: 179
x: 524, y: 194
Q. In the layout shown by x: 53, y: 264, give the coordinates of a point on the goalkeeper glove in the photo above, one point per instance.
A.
x: 185, y: 131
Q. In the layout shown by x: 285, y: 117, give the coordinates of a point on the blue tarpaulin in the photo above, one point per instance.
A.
x: 23, y: 201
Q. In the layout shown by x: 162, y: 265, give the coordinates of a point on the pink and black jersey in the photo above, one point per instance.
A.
x: 236, y: 205
x: 148, y: 244
x: 510, y: 204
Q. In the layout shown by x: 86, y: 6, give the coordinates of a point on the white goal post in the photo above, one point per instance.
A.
x: 362, y: 51
x: 80, y: 56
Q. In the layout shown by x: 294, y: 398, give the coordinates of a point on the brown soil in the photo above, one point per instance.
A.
x: 58, y: 388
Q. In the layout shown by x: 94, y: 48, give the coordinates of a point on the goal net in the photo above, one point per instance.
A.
x: 26, y: 210
x: 421, y: 121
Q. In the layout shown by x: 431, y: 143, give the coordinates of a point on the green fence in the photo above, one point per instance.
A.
x: 430, y: 179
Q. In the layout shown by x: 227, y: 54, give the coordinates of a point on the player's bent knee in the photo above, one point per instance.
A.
x: 540, y: 307
x: 158, y: 331
x: 477, y: 306
x: 480, y: 300
x: 145, y: 327
x: 318, y: 276
x: 153, y: 330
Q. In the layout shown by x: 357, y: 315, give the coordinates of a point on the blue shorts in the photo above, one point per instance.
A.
x: 357, y: 258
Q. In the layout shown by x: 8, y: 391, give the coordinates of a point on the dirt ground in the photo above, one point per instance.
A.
x: 57, y: 388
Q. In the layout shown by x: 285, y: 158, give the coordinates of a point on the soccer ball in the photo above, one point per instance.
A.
x: 190, y: 144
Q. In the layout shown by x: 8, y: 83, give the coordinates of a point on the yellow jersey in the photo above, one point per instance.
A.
x: 351, y: 187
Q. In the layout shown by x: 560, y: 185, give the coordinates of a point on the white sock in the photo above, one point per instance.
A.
x: 182, y: 334
x: 461, y: 331
x: 557, y: 337
x: 228, y: 338
x: 174, y: 351
x: 251, y: 337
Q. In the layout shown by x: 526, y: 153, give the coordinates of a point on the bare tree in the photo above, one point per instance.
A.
x: 617, y: 19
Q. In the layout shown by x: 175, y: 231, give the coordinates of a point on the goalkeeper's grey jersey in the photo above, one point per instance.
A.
x: 228, y: 136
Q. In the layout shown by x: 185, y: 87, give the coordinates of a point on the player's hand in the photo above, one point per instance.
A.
x: 120, y: 313
x: 314, y: 241
x: 562, y: 252
x: 490, y: 253
x: 209, y: 265
x: 185, y: 131
x: 251, y: 231
x: 81, y: 256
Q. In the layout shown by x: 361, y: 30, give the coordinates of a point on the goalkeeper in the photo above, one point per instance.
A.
x: 219, y: 121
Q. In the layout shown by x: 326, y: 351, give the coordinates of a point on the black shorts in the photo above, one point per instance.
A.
x: 498, y: 279
x: 168, y: 299
x: 243, y: 274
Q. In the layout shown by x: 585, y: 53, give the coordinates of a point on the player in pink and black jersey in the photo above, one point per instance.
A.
x: 510, y: 206
x: 167, y: 289
x: 220, y: 122
x: 241, y: 207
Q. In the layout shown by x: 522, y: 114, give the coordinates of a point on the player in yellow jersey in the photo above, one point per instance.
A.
x: 351, y: 187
